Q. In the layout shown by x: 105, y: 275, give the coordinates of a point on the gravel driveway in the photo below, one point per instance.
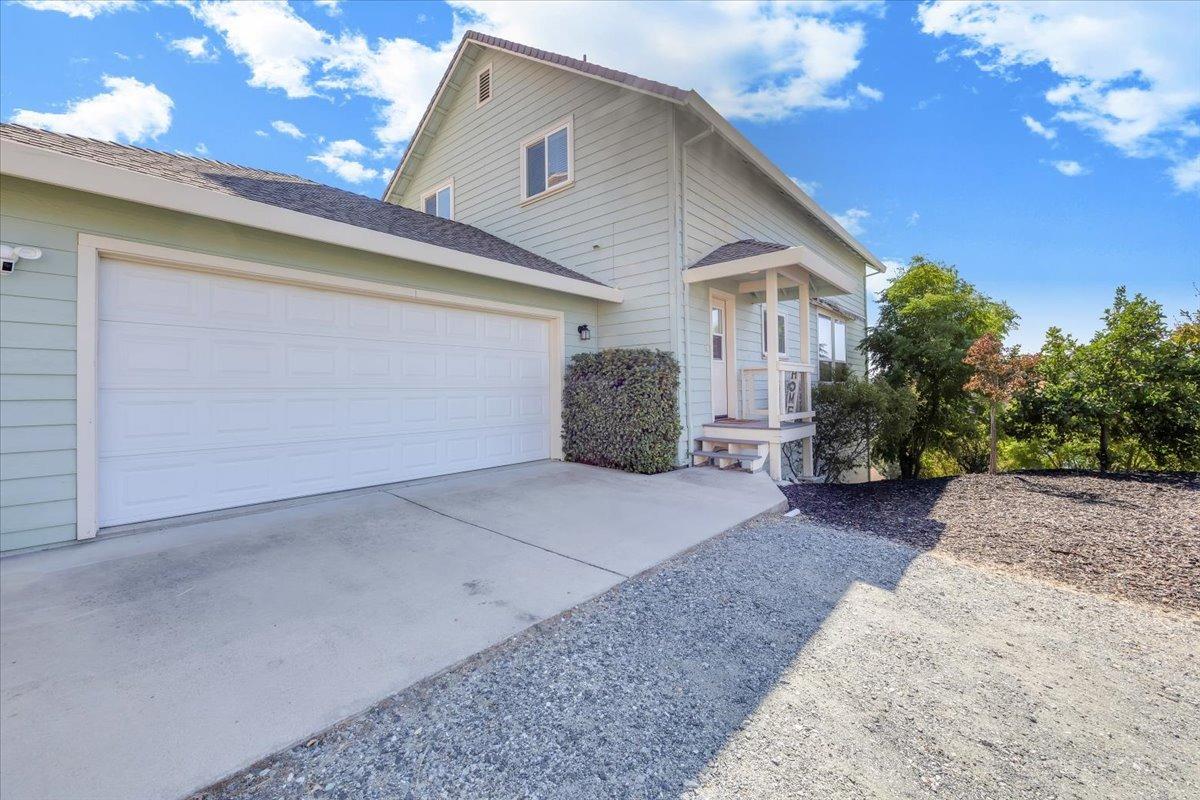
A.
x: 787, y: 660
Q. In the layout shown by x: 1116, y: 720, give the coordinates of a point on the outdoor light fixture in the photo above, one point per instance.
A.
x: 11, y: 254
x: 584, y: 333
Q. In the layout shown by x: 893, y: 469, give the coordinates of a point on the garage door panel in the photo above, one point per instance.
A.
x: 219, y: 391
x: 152, y: 486
x: 154, y: 295
x: 143, y: 421
x: 136, y: 355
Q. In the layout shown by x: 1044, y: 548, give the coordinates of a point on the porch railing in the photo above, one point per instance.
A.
x: 795, y: 391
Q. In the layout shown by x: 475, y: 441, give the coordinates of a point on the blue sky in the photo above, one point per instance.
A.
x: 1052, y: 152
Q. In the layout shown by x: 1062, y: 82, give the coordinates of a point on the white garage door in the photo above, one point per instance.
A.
x: 217, y: 391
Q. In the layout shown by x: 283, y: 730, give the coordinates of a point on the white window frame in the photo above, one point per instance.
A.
x: 491, y: 84
x: 567, y: 122
x: 834, y: 358
x: 433, y: 192
x: 762, y: 317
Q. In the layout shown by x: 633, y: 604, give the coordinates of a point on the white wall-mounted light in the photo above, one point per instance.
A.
x: 11, y: 254
x: 584, y: 333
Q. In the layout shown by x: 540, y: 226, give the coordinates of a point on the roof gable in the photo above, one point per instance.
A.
x: 684, y: 97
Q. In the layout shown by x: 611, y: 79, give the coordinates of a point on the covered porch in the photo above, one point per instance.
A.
x: 761, y: 405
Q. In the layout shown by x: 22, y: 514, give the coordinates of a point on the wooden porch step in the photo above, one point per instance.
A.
x: 728, y: 440
x: 726, y: 454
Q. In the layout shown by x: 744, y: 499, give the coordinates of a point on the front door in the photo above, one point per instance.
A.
x: 720, y: 375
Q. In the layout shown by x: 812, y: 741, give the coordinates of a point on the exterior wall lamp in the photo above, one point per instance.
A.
x: 584, y: 333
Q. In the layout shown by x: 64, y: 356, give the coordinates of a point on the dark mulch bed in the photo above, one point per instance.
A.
x: 1135, y: 536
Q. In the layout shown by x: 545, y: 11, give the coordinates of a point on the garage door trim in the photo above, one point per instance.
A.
x: 92, y: 248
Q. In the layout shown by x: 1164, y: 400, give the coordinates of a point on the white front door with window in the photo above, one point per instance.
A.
x: 720, y: 373
x: 220, y: 391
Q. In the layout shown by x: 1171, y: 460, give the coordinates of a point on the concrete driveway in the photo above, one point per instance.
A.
x: 149, y: 665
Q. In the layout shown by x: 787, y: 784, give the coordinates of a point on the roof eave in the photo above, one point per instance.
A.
x: 39, y: 164
x: 799, y: 256
x: 429, y: 109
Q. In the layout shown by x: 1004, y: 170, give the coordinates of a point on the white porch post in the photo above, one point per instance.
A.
x: 775, y: 459
x: 806, y: 355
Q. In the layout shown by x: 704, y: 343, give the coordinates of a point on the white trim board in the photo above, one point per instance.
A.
x: 732, y: 387
x: 801, y: 256
x: 48, y: 166
x: 90, y: 250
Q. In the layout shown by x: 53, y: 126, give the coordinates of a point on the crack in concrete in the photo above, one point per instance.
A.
x: 506, y: 535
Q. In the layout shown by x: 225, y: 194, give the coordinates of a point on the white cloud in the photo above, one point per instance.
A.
x: 1186, y: 175
x: 1038, y: 128
x: 752, y: 61
x: 88, y: 9
x: 129, y: 111
x: 1126, y: 71
x: 401, y: 73
x: 287, y: 129
x: 195, y: 47
x: 809, y: 187
x: 914, y: 218
x: 339, y: 158
x: 276, y: 44
x: 1072, y: 169
x: 332, y: 7
x: 201, y: 149
x: 869, y: 92
x: 262, y: 133
x: 853, y: 220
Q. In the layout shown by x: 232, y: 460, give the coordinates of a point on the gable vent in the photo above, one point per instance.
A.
x: 484, y: 85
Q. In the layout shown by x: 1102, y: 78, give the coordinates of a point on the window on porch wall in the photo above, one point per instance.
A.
x: 831, y: 349
x: 782, y: 332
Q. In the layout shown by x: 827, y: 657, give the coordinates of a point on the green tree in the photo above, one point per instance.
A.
x: 1133, y: 390
x: 928, y: 317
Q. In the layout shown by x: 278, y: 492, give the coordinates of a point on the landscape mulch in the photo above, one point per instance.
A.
x: 1131, y: 536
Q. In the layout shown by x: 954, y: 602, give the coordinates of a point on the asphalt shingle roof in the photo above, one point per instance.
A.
x: 741, y: 249
x: 294, y: 193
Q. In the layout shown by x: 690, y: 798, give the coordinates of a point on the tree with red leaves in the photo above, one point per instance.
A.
x: 1000, y: 372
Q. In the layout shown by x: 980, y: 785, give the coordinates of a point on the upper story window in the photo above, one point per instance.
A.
x: 439, y: 201
x: 547, y: 160
x: 782, y: 332
x: 831, y: 349
x: 483, y: 85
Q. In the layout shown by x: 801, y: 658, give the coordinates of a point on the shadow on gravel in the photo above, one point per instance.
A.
x: 630, y: 696
x: 900, y: 510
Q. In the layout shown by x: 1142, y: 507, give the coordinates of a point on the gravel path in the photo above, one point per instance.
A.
x: 1136, y: 537
x: 787, y: 660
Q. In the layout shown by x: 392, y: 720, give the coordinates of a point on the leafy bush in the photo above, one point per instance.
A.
x: 848, y: 416
x: 621, y: 410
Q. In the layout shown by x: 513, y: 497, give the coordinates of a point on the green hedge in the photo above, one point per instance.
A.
x: 621, y: 410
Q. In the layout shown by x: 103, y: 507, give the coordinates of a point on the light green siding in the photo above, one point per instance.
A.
x: 37, y: 327
x: 613, y: 224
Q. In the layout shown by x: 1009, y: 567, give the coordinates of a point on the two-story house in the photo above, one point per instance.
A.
x: 182, y: 335
x: 720, y: 257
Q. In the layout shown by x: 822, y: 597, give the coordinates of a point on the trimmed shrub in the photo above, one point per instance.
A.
x: 621, y: 410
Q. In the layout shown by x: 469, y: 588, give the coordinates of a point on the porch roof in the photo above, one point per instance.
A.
x: 749, y: 257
